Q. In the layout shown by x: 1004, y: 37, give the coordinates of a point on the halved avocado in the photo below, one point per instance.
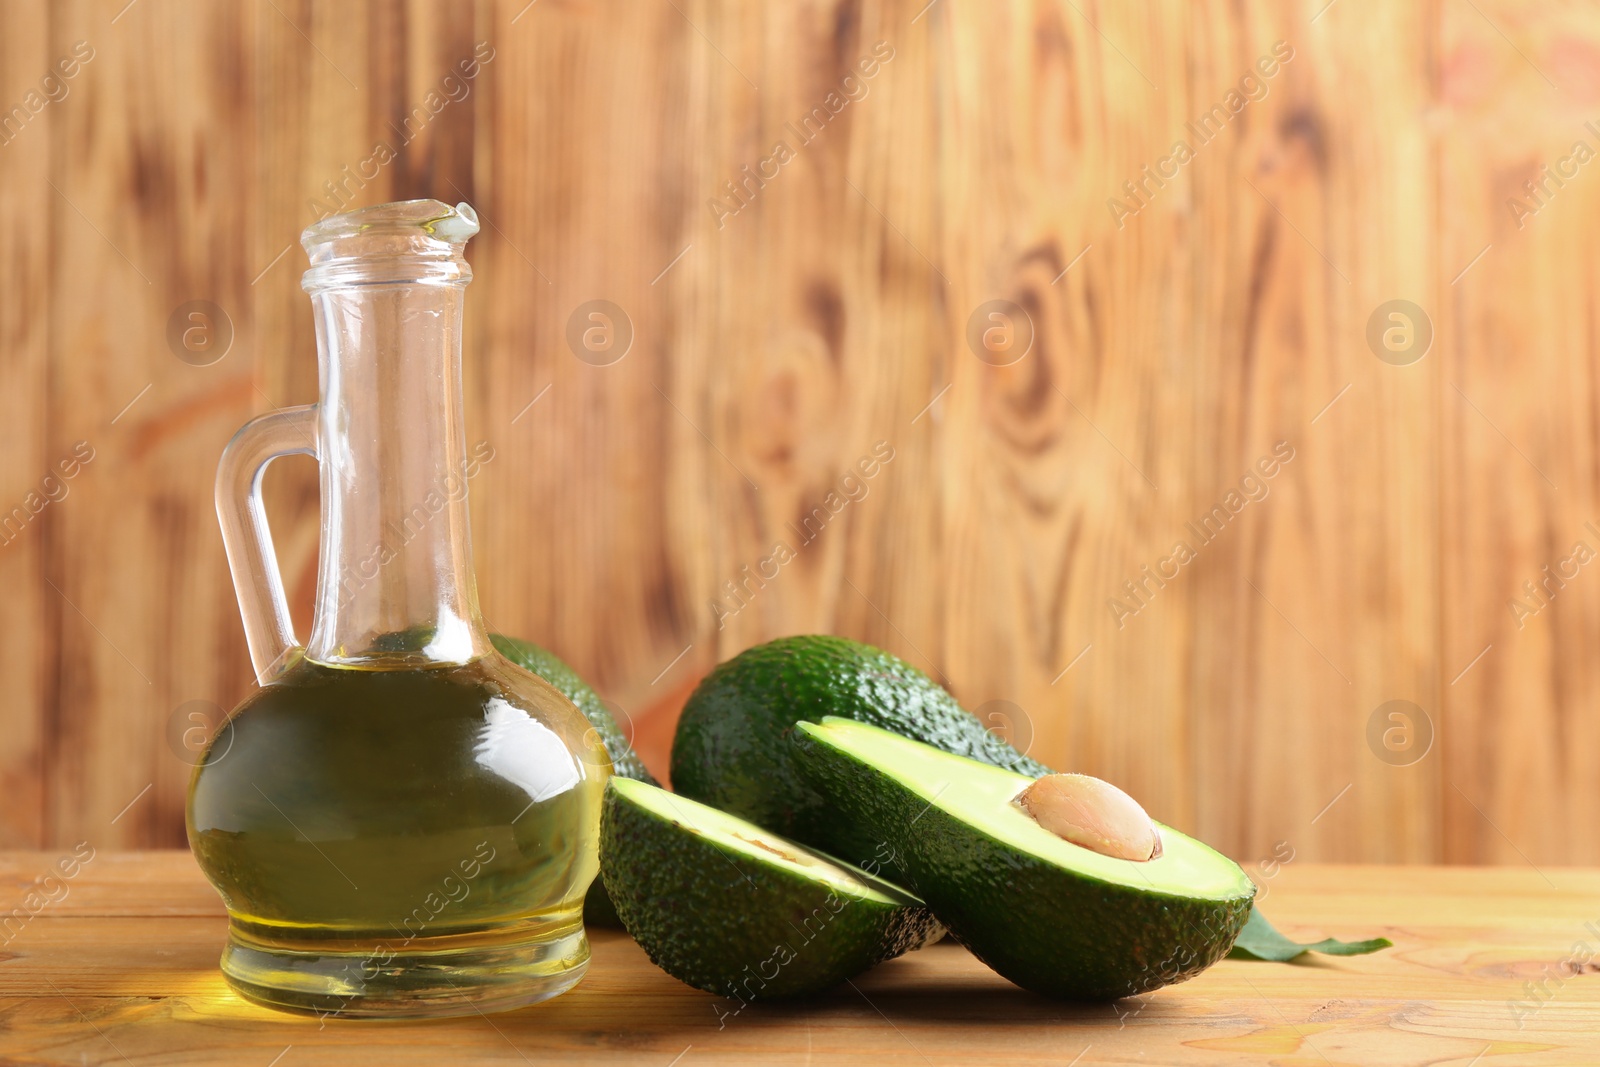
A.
x: 732, y: 909
x: 1051, y: 916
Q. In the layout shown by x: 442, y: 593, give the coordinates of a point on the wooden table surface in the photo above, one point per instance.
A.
x: 123, y: 970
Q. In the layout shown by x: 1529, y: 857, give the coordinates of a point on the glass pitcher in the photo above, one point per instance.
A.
x: 399, y: 820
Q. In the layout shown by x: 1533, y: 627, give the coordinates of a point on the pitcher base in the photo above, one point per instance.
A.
x: 429, y: 977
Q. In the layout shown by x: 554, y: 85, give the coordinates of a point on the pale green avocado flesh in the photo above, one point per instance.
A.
x: 745, y: 839
x: 1051, y: 916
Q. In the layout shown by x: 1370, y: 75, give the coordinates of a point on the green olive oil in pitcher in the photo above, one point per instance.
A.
x: 401, y: 822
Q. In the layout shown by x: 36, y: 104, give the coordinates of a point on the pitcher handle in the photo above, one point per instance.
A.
x: 247, y: 537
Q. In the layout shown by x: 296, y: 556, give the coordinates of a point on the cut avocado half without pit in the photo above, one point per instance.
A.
x: 1053, y: 917
x: 735, y: 910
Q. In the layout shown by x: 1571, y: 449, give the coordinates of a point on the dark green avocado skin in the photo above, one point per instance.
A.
x: 1046, y: 928
x: 741, y: 929
x: 733, y: 749
x: 597, y: 909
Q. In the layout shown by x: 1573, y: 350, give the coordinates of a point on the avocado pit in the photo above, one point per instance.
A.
x: 1093, y: 814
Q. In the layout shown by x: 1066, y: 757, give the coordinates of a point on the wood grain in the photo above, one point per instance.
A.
x: 32, y: 611
x: 784, y: 328
x: 124, y: 967
x: 1519, y: 420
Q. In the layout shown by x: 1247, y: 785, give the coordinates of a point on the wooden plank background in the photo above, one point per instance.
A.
x: 775, y: 345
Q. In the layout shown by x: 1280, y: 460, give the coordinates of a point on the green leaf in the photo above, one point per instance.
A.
x: 1260, y: 940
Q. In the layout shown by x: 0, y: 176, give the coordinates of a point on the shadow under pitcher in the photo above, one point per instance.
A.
x: 401, y: 822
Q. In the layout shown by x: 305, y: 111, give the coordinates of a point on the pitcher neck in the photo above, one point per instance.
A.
x: 395, y: 585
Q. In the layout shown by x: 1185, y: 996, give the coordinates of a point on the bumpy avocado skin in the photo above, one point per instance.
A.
x: 740, y: 929
x: 1048, y: 929
x: 733, y: 750
x: 597, y: 908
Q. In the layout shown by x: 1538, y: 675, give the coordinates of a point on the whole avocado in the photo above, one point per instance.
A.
x: 733, y: 750
x: 625, y: 762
